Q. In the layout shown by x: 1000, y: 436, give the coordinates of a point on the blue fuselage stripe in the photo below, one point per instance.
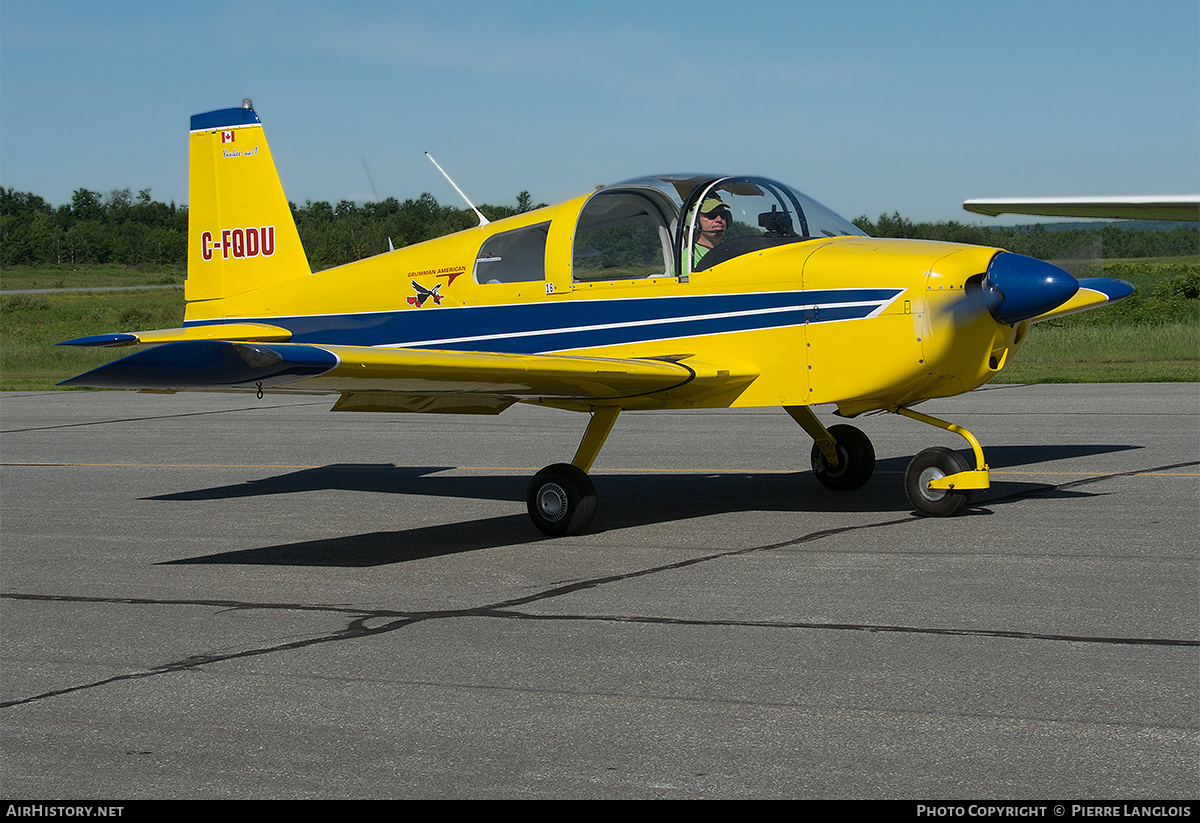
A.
x: 577, y: 324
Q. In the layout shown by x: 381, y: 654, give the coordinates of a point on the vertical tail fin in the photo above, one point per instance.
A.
x: 241, y: 234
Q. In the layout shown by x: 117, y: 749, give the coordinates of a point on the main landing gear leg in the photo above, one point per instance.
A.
x: 842, y: 456
x: 939, y: 482
x: 561, y: 498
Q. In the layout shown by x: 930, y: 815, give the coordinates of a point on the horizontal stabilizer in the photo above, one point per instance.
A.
x: 1093, y: 293
x: 208, y: 365
x: 251, y: 332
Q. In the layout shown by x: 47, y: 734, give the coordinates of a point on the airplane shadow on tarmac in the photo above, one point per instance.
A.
x: 626, y: 500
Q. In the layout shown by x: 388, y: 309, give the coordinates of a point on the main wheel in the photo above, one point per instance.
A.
x: 856, y: 460
x: 934, y: 464
x: 561, y: 500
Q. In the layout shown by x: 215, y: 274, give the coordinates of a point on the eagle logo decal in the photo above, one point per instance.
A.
x: 423, y: 294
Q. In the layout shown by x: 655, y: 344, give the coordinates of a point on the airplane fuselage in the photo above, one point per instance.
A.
x: 789, y: 313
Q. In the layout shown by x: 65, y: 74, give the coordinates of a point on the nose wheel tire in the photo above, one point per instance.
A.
x: 856, y: 460
x: 561, y: 500
x: 934, y: 464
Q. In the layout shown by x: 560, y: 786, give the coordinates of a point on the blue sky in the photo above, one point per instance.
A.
x: 869, y: 107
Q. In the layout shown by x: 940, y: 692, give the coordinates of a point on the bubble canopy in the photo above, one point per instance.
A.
x: 756, y: 213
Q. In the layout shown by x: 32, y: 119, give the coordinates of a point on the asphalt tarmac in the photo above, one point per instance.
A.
x: 216, y: 596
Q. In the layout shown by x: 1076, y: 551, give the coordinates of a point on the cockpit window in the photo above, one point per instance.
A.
x: 517, y: 256
x: 729, y: 217
x: 615, y: 235
x: 623, y: 234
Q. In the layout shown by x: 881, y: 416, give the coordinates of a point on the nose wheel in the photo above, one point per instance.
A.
x: 931, y: 467
x: 940, y: 482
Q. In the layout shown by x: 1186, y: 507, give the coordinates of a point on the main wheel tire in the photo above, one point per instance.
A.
x: 561, y: 500
x: 856, y: 460
x: 934, y: 464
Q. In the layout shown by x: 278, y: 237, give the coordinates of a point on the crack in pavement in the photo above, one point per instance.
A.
x: 507, y: 609
x: 144, y: 418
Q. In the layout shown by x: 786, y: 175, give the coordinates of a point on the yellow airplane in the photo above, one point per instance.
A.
x: 670, y: 292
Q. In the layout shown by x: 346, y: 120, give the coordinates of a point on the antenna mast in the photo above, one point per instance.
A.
x: 483, y: 221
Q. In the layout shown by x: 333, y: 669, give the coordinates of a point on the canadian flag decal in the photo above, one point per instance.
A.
x: 227, y: 136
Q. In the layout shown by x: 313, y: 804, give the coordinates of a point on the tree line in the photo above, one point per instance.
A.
x: 135, y: 230
x: 129, y: 230
x: 1067, y: 241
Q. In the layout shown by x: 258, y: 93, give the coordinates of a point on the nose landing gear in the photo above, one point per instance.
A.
x: 934, y: 466
x: 939, y: 482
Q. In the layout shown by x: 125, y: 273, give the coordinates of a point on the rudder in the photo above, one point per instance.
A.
x: 241, y: 234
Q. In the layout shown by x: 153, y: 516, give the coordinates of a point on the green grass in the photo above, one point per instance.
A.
x: 1107, y: 353
x: 30, y: 325
x: 1152, y: 336
x: 86, y: 277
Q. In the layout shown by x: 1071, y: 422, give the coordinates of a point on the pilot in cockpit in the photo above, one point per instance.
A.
x: 713, y: 220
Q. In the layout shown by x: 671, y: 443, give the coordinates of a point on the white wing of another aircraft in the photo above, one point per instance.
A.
x: 1170, y: 207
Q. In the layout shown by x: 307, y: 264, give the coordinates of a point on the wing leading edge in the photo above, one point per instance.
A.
x: 1181, y: 207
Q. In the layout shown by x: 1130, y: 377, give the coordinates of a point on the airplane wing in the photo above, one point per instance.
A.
x: 1182, y: 207
x: 424, y: 380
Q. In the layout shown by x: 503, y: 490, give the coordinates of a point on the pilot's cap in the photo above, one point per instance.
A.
x: 711, y: 204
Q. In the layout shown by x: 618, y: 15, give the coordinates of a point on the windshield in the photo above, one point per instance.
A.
x: 725, y: 217
x: 737, y: 215
x: 703, y: 220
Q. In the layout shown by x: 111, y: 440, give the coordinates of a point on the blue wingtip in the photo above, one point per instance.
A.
x: 117, y: 339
